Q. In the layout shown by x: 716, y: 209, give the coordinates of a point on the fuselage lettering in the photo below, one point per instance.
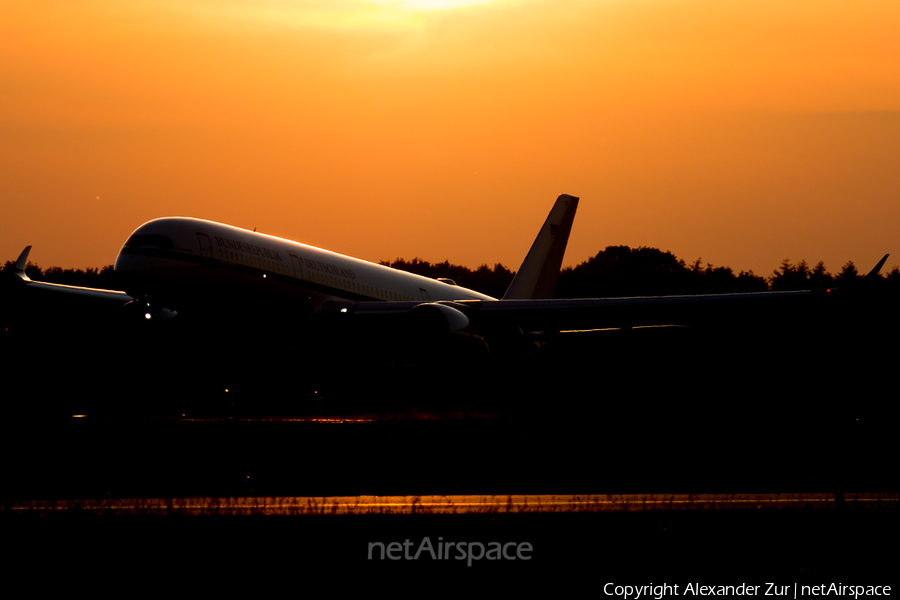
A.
x: 248, y: 248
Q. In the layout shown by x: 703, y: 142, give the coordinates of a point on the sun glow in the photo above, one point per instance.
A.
x: 431, y: 4
x: 703, y: 127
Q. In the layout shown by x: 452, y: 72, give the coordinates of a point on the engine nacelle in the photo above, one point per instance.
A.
x: 436, y: 317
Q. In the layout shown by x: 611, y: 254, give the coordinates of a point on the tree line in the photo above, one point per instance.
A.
x: 616, y: 271
x: 623, y: 271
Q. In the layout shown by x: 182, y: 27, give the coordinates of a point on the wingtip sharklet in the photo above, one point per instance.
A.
x: 21, y: 262
x: 537, y: 276
x: 877, y: 268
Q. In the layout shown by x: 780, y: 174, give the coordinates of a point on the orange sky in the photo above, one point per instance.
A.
x: 742, y: 132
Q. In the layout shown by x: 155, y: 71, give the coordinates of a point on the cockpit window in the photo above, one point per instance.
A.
x: 153, y: 240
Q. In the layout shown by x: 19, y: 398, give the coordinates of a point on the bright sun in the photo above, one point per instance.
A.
x: 430, y: 4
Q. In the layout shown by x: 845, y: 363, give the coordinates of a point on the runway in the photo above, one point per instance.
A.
x: 461, y: 504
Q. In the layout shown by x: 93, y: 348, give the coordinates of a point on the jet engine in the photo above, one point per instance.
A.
x: 435, y: 317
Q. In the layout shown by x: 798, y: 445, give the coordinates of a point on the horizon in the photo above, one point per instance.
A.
x: 862, y: 270
x: 741, y: 134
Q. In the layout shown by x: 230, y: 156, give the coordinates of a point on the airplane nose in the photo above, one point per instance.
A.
x: 131, y: 264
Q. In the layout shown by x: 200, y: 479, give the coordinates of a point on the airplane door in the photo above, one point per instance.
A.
x: 297, y: 267
x: 425, y: 294
x: 206, y: 251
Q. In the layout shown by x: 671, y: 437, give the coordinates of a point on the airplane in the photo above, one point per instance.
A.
x: 176, y: 266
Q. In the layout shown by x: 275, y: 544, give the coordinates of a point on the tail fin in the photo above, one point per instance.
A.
x: 538, y: 274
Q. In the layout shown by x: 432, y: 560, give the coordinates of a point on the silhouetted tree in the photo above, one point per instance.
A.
x: 722, y: 280
x: 622, y: 271
x: 486, y: 280
x: 748, y: 281
x: 848, y: 275
x: 790, y: 277
x: 492, y: 282
x: 820, y: 279
x: 892, y: 280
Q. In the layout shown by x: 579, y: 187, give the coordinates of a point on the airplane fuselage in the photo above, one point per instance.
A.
x: 178, y: 258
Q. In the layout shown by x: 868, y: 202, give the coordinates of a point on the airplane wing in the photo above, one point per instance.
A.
x: 604, y: 313
x: 112, y: 296
x: 564, y: 315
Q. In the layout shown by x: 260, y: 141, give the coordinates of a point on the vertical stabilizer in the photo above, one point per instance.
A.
x: 537, y: 276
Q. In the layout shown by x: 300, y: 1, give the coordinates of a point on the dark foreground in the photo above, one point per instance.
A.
x: 568, y: 551
x: 670, y: 413
x: 106, y: 457
x: 99, y: 460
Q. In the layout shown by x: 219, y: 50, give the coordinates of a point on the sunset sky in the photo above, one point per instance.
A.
x: 740, y: 132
